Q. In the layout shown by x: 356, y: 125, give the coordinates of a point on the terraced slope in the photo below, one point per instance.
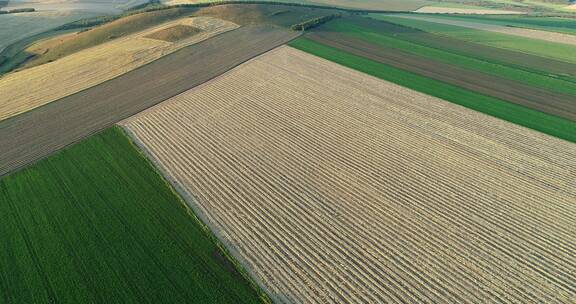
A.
x: 58, y: 124
x: 97, y: 224
x: 37, y: 86
x: 333, y: 186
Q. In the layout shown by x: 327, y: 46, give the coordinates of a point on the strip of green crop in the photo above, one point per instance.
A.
x: 558, y: 51
x: 518, y: 114
x: 397, y: 41
x: 96, y: 223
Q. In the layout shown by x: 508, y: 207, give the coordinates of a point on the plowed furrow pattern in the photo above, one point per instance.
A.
x: 332, y: 186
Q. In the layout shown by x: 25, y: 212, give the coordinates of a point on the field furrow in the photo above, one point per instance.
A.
x: 333, y: 186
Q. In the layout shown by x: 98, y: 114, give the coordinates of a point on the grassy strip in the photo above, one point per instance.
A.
x: 398, y: 42
x: 96, y: 223
x: 520, y: 115
x: 536, y: 47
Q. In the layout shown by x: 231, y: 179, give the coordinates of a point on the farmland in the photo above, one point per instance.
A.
x: 37, y: 86
x: 58, y: 124
x: 370, y: 39
x: 330, y: 185
x: 436, y: 48
x: 551, y: 24
x: 507, y: 30
x: 518, y: 114
x: 104, y: 33
x: 385, y: 5
x: 97, y: 223
x: 546, y: 49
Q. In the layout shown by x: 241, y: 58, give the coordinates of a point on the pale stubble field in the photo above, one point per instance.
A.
x: 334, y: 186
x: 28, y: 89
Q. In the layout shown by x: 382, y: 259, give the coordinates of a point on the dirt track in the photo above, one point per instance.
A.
x: 38, y: 133
x: 558, y: 104
x: 333, y: 186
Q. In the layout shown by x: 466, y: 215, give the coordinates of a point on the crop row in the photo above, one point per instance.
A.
x: 333, y: 186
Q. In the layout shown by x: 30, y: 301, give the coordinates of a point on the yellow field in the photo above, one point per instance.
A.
x: 332, y: 186
x: 34, y: 87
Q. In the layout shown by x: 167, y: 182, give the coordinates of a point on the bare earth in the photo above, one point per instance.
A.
x: 527, y: 33
x: 58, y: 124
x: 34, y: 87
x: 332, y: 186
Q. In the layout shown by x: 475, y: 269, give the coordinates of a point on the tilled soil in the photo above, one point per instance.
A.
x: 38, y: 133
x: 332, y: 186
x: 558, y: 104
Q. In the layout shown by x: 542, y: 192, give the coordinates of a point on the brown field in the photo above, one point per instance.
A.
x: 174, y: 33
x: 37, y: 86
x: 515, y: 31
x: 332, y: 186
x: 558, y: 104
x: 55, y: 125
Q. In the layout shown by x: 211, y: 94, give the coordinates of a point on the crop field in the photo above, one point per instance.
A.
x: 538, y: 47
x: 458, y: 8
x: 37, y: 86
x: 104, y: 33
x: 58, y: 124
x: 380, y: 34
x: 372, y: 39
x: 549, y: 124
x: 333, y: 186
x: 503, y: 57
x: 384, y: 5
x: 551, y: 24
x: 507, y: 30
x: 97, y: 224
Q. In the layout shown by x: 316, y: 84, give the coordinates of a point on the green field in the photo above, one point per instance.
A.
x: 536, y: 47
x: 96, y: 223
x: 402, y: 42
x: 521, y: 115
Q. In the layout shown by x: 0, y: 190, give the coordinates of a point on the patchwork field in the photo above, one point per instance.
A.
x: 97, y: 224
x: 384, y: 5
x: 58, y: 124
x: 538, y: 47
x: 37, y: 86
x: 549, y: 124
x: 375, y: 45
x: 507, y: 30
x: 550, y: 24
x: 332, y: 186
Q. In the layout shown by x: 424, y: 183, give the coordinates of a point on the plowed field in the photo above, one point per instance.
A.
x: 333, y: 186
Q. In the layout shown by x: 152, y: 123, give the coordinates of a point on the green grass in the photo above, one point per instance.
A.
x: 520, y: 115
x: 96, y: 223
x: 558, y: 51
x: 397, y: 41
